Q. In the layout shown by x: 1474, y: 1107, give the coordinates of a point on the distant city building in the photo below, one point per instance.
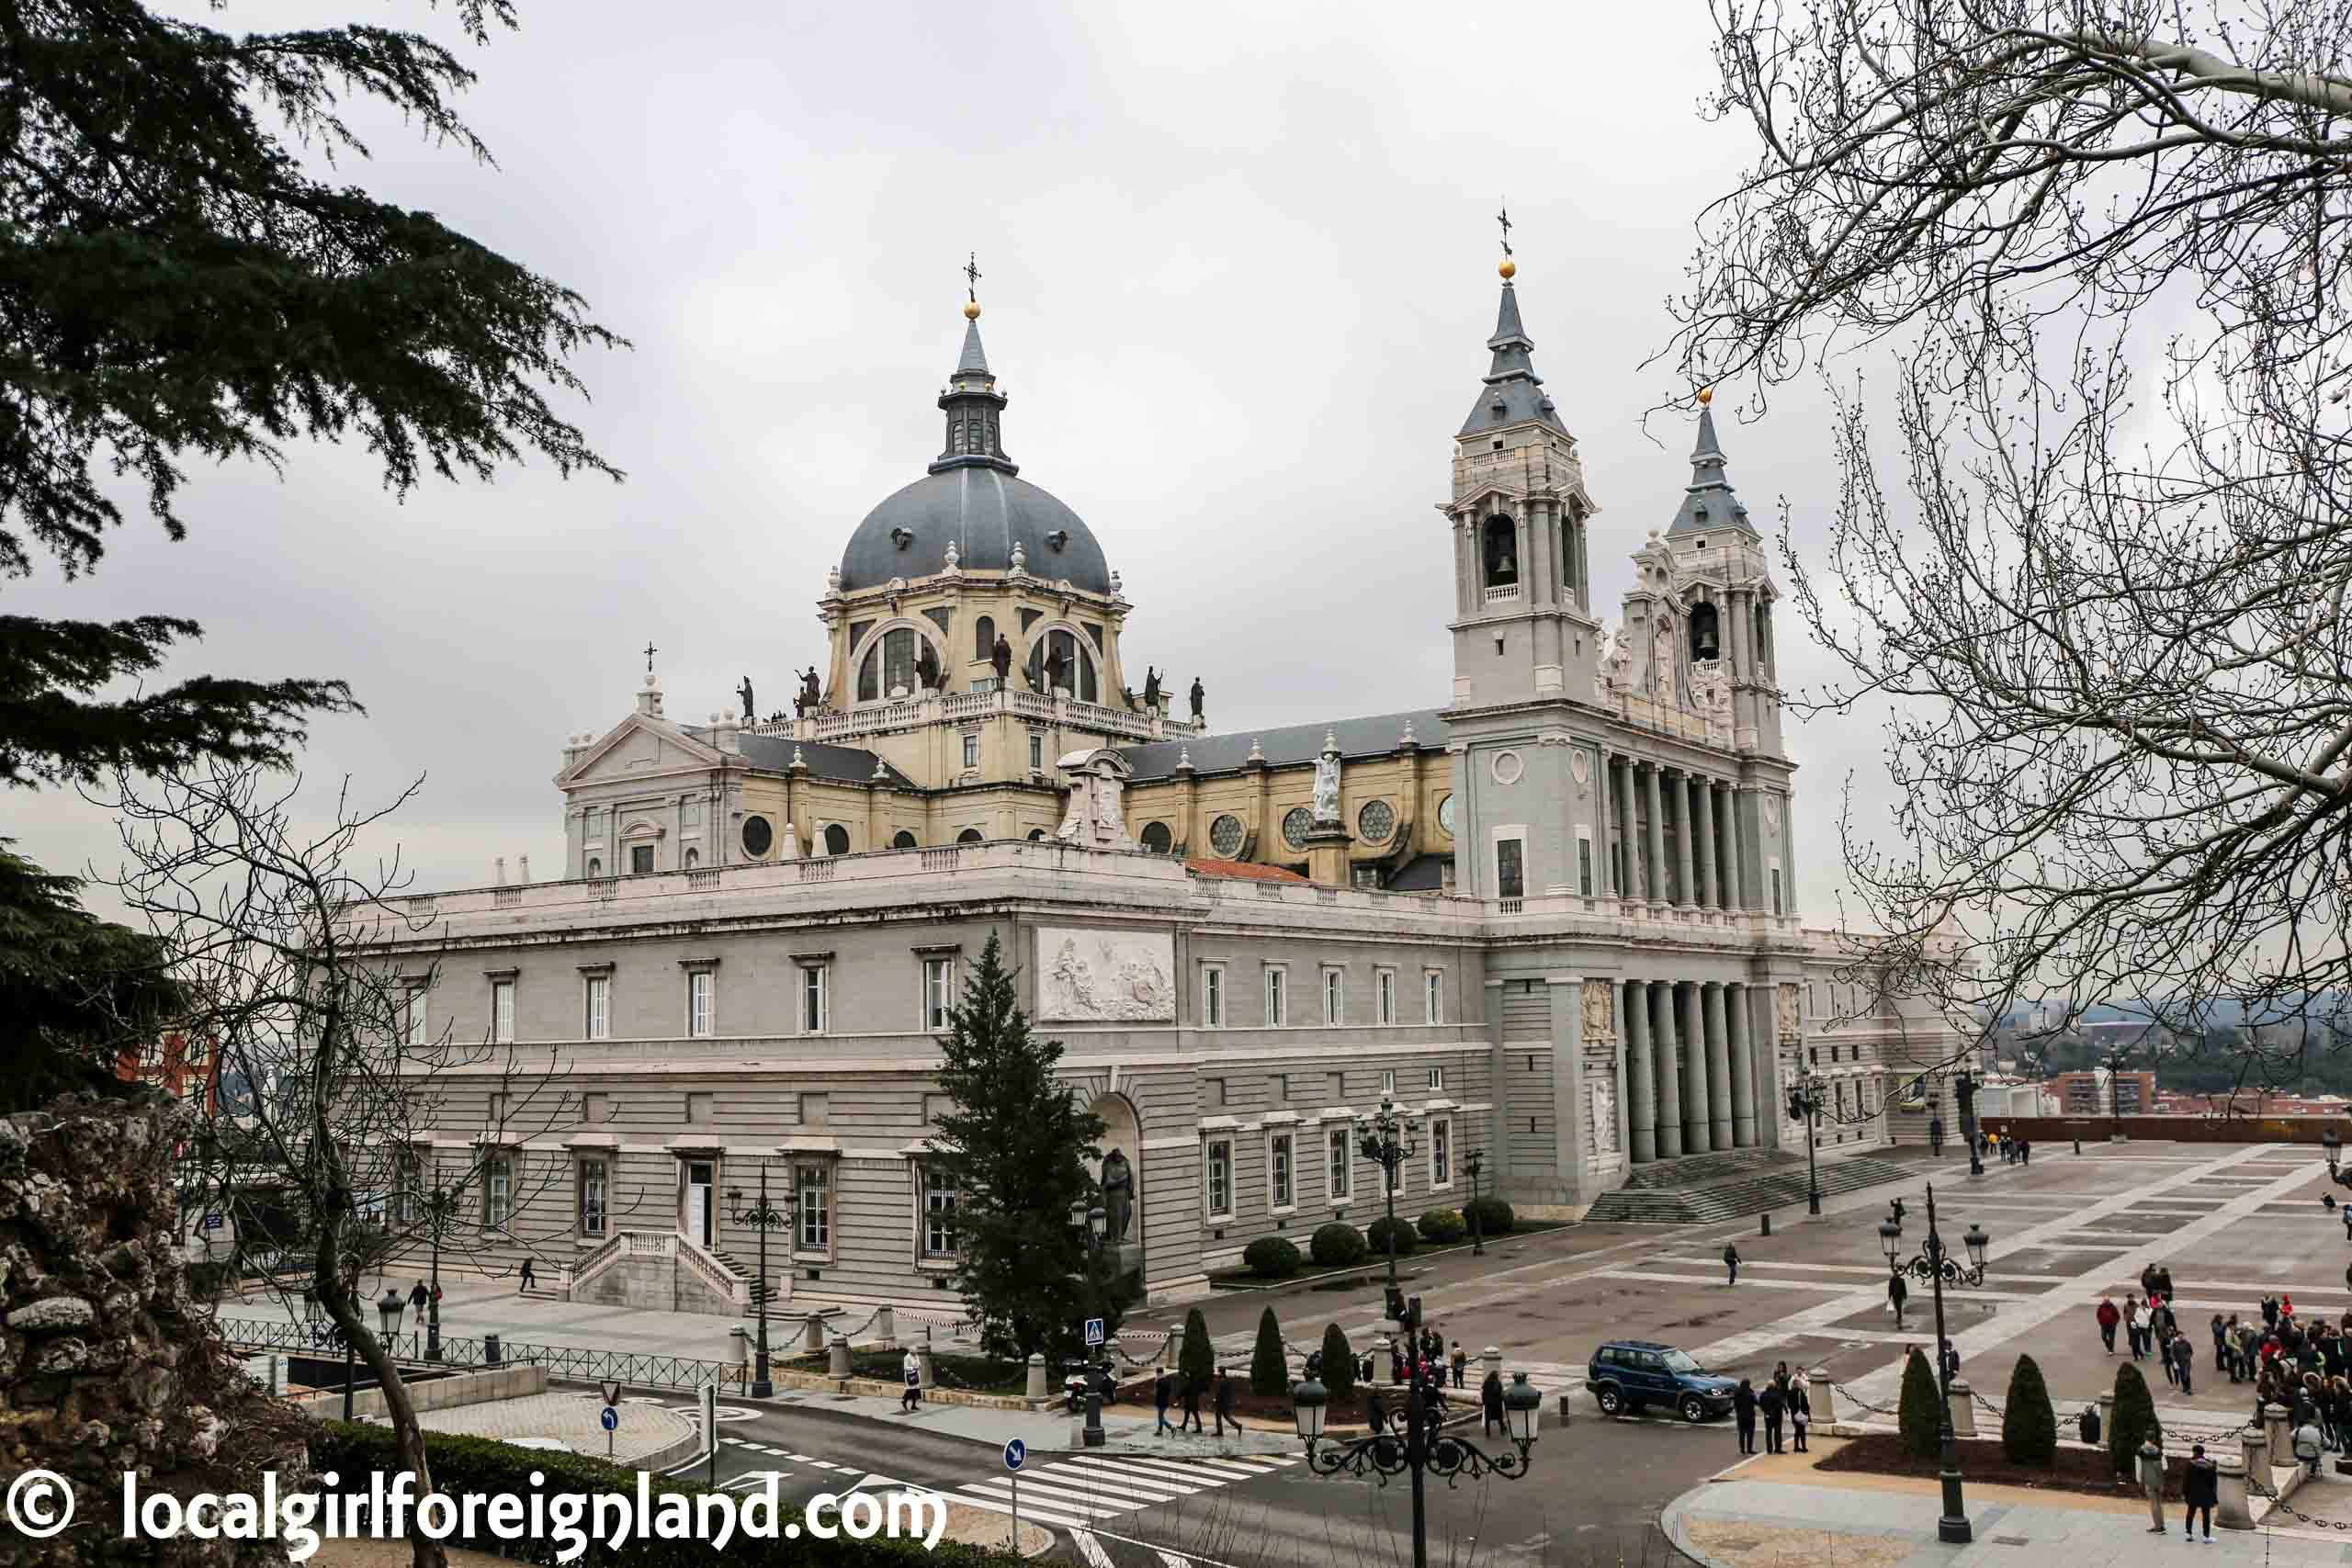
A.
x: 2086, y: 1094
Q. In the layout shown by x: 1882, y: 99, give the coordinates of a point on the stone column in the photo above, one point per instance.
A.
x: 1654, y: 868
x: 1629, y: 844
x: 1734, y: 894
x: 1721, y: 1097
x: 1743, y: 1067
x: 1670, y: 1070
x: 1697, y: 1118
x: 1764, y: 1042
x: 1685, y: 895
x: 1641, y: 1077
x: 1709, y: 896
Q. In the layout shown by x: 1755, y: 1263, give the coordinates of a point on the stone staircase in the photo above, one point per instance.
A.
x: 1705, y: 1188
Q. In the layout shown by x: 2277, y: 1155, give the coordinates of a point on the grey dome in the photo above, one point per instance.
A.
x: 986, y: 510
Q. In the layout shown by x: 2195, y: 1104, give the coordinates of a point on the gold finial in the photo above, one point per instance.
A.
x: 1508, y: 268
x: 972, y: 287
x: 1706, y: 396
x: 971, y: 309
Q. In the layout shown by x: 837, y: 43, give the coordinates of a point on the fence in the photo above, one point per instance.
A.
x: 2172, y: 1129
x: 637, y: 1370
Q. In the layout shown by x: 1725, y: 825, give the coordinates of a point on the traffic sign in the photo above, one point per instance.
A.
x: 1093, y: 1332
x: 612, y: 1391
x: 611, y: 1418
x: 1016, y: 1454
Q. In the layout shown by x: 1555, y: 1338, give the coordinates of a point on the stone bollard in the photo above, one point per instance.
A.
x: 886, y: 1329
x: 2254, y: 1448
x: 2273, y: 1432
x: 1963, y: 1408
x: 2233, y: 1510
x: 1036, y: 1389
x: 924, y: 1370
x: 812, y: 1334
x: 2106, y: 1414
x: 837, y: 1359
x: 1490, y: 1360
x: 1823, y: 1403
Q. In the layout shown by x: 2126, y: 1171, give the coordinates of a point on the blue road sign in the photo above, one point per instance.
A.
x: 1093, y: 1332
x: 1016, y: 1453
x: 611, y: 1418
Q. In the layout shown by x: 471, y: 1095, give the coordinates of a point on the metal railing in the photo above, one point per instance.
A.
x: 635, y: 1368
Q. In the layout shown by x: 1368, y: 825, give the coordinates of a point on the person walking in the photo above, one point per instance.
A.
x: 530, y: 1280
x: 2025, y: 1151
x: 1731, y: 1264
x: 1461, y: 1363
x: 1743, y: 1410
x: 1771, y: 1403
x: 2201, y: 1488
x: 1225, y: 1401
x: 1799, y: 1411
x: 2164, y: 1354
x: 2144, y: 1331
x: 2150, y: 1475
x: 1950, y: 1355
x: 2222, y: 1352
x: 2183, y: 1354
x: 1897, y: 1292
x: 1490, y: 1405
x: 1163, y: 1392
x: 1193, y: 1389
x: 2108, y: 1316
x: 912, y: 1370
x: 418, y: 1297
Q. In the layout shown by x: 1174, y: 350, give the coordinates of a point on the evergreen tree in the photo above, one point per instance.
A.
x: 1017, y: 1145
x: 1920, y: 1422
x: 2135, y: 1417
x: 1269, y: 1365
x: 2028, y: 1427
x: 1196, y: 1361
x: 1339, y: 1363
x: 75, y: 992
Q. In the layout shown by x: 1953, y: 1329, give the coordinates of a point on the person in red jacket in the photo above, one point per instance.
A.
x: 2108, y: 1316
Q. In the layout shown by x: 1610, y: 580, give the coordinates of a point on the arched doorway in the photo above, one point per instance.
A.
x: 1123, y: 1137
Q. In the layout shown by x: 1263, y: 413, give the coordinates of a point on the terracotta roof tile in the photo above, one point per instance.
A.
x: 1241, y: 871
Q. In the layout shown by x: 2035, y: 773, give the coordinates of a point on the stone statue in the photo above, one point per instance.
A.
x: 751, y: 710
x: 1118, y: 1197
x: 927, y: 667
x: 1057, y: 670
x: 1197, y: 696
x: 812, y: 698
x: 1150, y: 689
x: 1000, y: 656
x: 1327, y: 788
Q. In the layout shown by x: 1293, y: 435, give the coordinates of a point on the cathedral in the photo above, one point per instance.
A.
x: 1548, y: 917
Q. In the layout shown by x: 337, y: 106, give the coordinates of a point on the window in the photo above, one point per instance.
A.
x: 1499, y: 537
x: 1433, y: 996
x: 501, y: 1011
x: 699, y: 1108
x: 1157, y: 838
x: 902, y: 840
x: 640, y: 859
x: 1340, y: 1157
x: 1213, y: 995
x: 970, y: 836
x: 1510, y: 880
x: 888, y: 666
x: 938, y: 991
x: 816, y: 1207
x: 812, y: 998
x: 1220, y: 1177
x: 1774, y: 877
x: 1384, y: 991
x: 1437, y: 1078
x: 600, y: 1006
x: 497, y: 1192
x: 971, y: 750
x: 1334, y: 996
x: 1224, y: 836
x: 938, y: 1213
x: 1073, y: 666
x: 593, y: 1188
x: 407, y: 1176
x: 983, y: 637
x: 1584, y: 866
x: 1278, y: 1181
x: 1277, y: 997
x: 1036, y: 752
x: 701, y: 996
x: 1441, y: 1153
x: 1388, y: 1081
x: 419, y: 1028
x: 836, y: 839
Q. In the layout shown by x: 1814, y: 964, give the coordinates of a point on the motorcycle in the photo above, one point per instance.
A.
x: 1094, y: 1379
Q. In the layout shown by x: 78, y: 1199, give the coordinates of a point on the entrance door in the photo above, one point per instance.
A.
x: 698, y: 1185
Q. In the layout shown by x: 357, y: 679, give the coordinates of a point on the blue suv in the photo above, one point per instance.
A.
x: 1626, y: 1374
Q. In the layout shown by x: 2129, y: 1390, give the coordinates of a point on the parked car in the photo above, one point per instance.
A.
x: 1626, y: 1374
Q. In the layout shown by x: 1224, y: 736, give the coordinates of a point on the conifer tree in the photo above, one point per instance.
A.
x: 1269, y: 1367
x: 2135, y: 1417
x: 1196, y: 1361
x: 1919, y: 1419
x: 2028, y: 1427
x: 1339, y: 1363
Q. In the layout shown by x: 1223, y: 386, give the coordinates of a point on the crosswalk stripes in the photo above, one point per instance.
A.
x: 1084, y: 1489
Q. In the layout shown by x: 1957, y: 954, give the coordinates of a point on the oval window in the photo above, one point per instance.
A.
x: 1376, y: 822
x: 837, y: 839
x: 1224, y: 836
x: 757, y: 836
x: 1297, y: 824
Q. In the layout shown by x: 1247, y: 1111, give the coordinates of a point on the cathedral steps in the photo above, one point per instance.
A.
x: 1696, y: 1170
x: 1734, y: 1197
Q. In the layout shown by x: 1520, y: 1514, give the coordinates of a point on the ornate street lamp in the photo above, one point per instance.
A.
x: 388, y: 1315
x: 1804, y: 1105
x: 764, y: 1217
x: 1092, y: 1222
x: 1386, y: 1138
x: 1426, y: 1447
x: 1473, y: 1163
x: 439, y: 1205
x: 1939, y: 1268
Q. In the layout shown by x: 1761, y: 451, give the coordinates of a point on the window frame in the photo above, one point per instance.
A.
x: 593, y: 1173
x: 1388, y: 1082
x: 1213, y: 995
x: 938, y: 996
x: 501, y: 1011
x: 419, y: 1024
x: 1437, y: 1081
x: 1442, y: 1161
x: 971, y: 750
x: 1335, y: 996
x: 1383, y: 998
x: 815, y: 1214
x: 1210, y: 1163
x: 596, y: 1007
x: 813, y: 977
x: 1433, y: 996
x: 1277, y: 995
x: 702, y: 1004
x: 497, y: 1192
x: 1339, y: 1166
x: 929, y: 1223
x: 1281, y: 1172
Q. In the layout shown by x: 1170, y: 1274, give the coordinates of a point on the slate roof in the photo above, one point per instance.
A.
x: 847, y: 764
x: 1289, y: 746
x: 1512, y: 380
x: 986, y: 510
x: 1709, y: 501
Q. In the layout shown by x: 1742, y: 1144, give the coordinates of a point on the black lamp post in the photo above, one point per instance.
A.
x: 1963, y: 1089
x: 440, y: 1204
x: 765, y: 1217
x: 1939, y: 1269
x: 2115, y: 1096
x: 1425, y: 1447
x: 388, y: 1317
x: 1804, y: 1105
x: 1092, y: 1222
x: 1473, y: 1163
x: 1386, y: 1138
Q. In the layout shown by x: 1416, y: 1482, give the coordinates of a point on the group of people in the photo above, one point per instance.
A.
x: 2012, y: 1149
x: 2151, y: 1328
x: 1164, y: 1393
x: 1786, y: 1395
x: 1431, y: 1352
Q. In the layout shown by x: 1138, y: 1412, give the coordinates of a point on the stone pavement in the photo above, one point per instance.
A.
x: 646, y: 1431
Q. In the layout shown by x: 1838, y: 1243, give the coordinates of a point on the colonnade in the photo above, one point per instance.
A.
x: 1705, y: 869
x: 1698, y: 1066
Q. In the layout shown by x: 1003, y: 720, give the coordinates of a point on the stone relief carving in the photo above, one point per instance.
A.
x: 1789, y: 1029
x: 1600, y: 1011
x: 1605, y: 1118
x: 1097, y: 977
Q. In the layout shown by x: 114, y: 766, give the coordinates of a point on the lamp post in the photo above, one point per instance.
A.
x: 1963, y: 1089
x: 2115, y: 1097
x: 387, y: 1316
x: 1090, y: 1221
x: 439, y: 1205
x: 1804, y: 1105
x: 1473, y: 1163
x: 1939, y: 1269
x: 765, y: 1217
x: 1426, y: 1447
x: 1386, y: 1138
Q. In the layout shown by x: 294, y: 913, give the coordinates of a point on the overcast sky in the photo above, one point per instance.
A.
x: 1238, y: 272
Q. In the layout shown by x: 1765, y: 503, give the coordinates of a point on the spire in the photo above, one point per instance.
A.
x: 975, y: 362
x: 973, y: 407
x: 1708, y: 503
x: 1513, y: 393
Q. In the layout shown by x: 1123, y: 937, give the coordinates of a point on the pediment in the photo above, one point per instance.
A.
x: 640, y: 747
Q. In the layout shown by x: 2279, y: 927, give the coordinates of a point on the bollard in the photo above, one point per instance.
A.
x: 2273, y: 1432
x: 1491, y: 1358
x: 2254, y: 1452
x: 923, y: 1371
x: 2233, y: 1509
x: 837, y: 1358
x: 886, y: 1329
x: 1823, y: 1402
x: 1963, y: 1409
x: 1768, y: 1224
x: 2079, y: 1145
x: 812, y: 1333
x: 1036, y: 1389
x: 2106, y: 1411
x: 739, y: 1347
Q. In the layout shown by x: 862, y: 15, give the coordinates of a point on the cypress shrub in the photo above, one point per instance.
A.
x: 1273, y: 1257
x: 1377, y: 1235
x: 1196, y: 1362
x: 1336, y: 1244
x: 1269, y: 1367
x: 2028, y: 1427
x: 1921, y: 1423
x: 1339, y: 1363
x: 2135, y: 1417
x: 1442, y: 1225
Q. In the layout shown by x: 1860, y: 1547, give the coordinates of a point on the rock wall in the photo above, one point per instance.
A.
x: 106, y: 1366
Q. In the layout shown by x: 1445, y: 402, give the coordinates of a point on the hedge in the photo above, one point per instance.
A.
x: 1274, y: 1256
x: 465, y: 1467
x: 1442, y: 1225
x: 1336, y: 1244
x: 1376, y: 1234
x: 1494, y: 1216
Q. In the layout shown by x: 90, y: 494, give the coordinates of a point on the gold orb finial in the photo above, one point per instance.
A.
x: 971, y: 309
x: 1508, y: 268
x: 1706, y: 396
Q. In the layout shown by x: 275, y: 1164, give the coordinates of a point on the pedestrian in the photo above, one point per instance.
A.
x: 1781, y: 1377
x: 1743, y: 1410
x: 2201, y: 1488
x: 1731, y: 1264
x: 418, y: 1297
x: 1461, y: 1363
x: 2308, y: 1446
x: 2152, y: 1481
x: 2025, y: 1151
x: 1363, y: 1370
x: 1799, y: 1411
x: 1950, y: 1354
x: 2164, y: 1354
x: 1395, y: 1362
x: 1163, y: 1391
x: 530, y: 1281
x: 1193, y: 1389
x: 1225, y: 1401
x: 2144, y: 1331
x: 1771, y: 1403
x: 2220, y: 1347
x: 1897, y: 1292
x: 1490, y: 1405
x: 2270, y: 1306
x: 913, y: 1371
x: 2108, y: 1316
x: 2183, y: 1354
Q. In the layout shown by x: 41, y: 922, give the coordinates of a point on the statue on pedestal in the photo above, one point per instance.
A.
x: 1001, y: 657
x: 927, y: 667
x: 750, y: 712
x: 1118, y: 1185
x: 1196, y: 699
x: 1150, y: 689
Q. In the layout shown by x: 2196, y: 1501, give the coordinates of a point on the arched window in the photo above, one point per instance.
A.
x: 836, y: 839
x: 971, y: 835
x: 1157, y: 838
x: 1499, y: 540
x: 694, y: 859
x: 902, y: 840
x: 983, y: 637
x: 1706, y: 638
x: 1035, y: 834
x: 596, y: 867
x: 888, y: 666
x: 1076, y: 666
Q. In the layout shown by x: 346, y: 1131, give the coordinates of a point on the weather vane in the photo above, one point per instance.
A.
x: 649, y: 660
x: 1503, y: 218
x: 972, y: 276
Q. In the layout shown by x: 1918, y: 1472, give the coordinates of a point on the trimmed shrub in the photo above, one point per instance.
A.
x: 1376, y: 1234
x: 1339, y: 1363
x: 1921, y: 1423
x: 1273, y: 1257
x: 1336, y: 1244
x: 1443, y: 1227
x: 1196, y: 1362
x: 1495, y: 1217
x: 2028, y: 1427
x: 2135, y: 1417
x: 1269, y: 1367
